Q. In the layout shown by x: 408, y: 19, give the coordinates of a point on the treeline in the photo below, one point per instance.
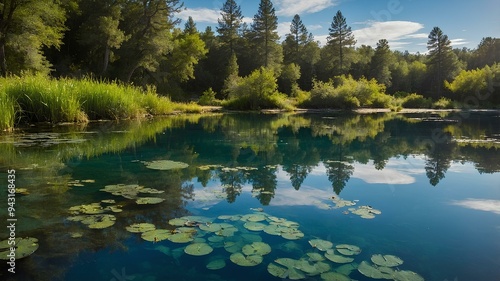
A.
x: 144, y: 43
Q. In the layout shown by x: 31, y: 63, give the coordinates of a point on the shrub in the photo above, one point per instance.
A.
x: 256, y: 91
x: 416, y: 101
x: 443, y: 103
x: 208, y: 98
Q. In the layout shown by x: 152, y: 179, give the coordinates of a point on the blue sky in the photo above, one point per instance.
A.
x: 404, y: 23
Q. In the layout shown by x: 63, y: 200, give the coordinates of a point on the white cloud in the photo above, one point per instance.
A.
x: 322, y: 39
x: 479, y: 204
x: 390, y: 30
x: 369, y: 174
x: 283, y: 29
x: 458, y: 42
x: 307, y: 196
x: 200, y: 15
x: 417, y: 36
x: 314, y: 27
x: 292, y: 7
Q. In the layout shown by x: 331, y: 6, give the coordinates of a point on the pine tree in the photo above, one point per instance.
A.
x: 295, y: 40
x: 264, y: 32
x: 341, y: 37
x: 381, y: 60
x: 190, y: 26
x: 230, y: 23
x: 442, y: 60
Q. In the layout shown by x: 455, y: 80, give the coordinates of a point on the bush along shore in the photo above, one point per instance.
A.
x: 40, y: 99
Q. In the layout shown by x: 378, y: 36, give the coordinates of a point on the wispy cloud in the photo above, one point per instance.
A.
x: 200, y: 14
x: 314, y: 27
x: 369, y: 174
x: 390, y: 30
x: 459, y: 41
x: 283, y: 29
x: 301, y: 7
x: 486, y: 205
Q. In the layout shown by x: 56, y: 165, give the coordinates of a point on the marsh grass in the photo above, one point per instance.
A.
x: 40, y: 99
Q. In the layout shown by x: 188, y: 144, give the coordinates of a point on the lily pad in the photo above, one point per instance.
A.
x: 165, y: 165
x: 386, y: 260
x: 23, y: 247
x: 256, y: 248
x: 277, y: 271
x: 89, y: 209
x: 177, y: 222
x: 375, y: 272
x: 243, y: 260
x: 198, y: 249
x: 348, y: 250
x: 346, y: 269
x: 98, y: 221
x: 365, y: 212
x: 233, y: 247
x: 215, y: 239
x: 321, y: 244
x: 330, y: 254
x: 129, y: 191
x: 315, y: 257
x: 334, y: 276
x: 210, y: 227
x: 216, y: 264
x: 254, y: 226
x: 149, y: 200
x: 156, y: 235
x: 291, y: 272
x: 406, y: 275
x: 181, y: 238
x: 292, y: 235
x: 108, y: 201
x: 140, y: 227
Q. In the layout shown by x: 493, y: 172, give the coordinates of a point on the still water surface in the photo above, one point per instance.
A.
x: 435, y: 180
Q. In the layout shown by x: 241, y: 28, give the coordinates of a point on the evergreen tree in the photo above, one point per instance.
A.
x: 380, y: 63
x: 230, y: 23
x: 295, y: 40
x: 265, y: 35
x: 340, y: 37
x: 443, y: 61
x: 26, y: 28
x: 190, y: 26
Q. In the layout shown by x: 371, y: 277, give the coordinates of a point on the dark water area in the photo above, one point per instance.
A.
x: 424, y: 188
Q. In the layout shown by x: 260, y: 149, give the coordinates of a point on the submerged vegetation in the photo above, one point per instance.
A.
x: 38, y: 99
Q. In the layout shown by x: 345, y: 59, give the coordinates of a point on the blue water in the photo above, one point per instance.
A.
x: 439, y: 200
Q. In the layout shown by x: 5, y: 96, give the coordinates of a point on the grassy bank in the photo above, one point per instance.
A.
x: 39, y: 99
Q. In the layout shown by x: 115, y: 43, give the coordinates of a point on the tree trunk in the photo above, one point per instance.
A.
x: 3, y: 61
x: 105, y: 61
x: 129, y: 76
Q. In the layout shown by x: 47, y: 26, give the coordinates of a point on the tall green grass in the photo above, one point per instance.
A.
x: 41, y: 99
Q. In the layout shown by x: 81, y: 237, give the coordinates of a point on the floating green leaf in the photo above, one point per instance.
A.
x: 346, y: 269
x: 375, y: 272
x: 256, y: 248
x: 348, y: 250
x: 334, y: 276
x: 140, y: 227
x: 386, y: 260
x: 254, y: 226
x: 149, y: 200
x: 177, y: 222
x: 216, y: 264
x: 315, y: 257
x: 165, y: 165
x: 277, y: 271
x: 210, y: 227
x: 198, y: 249
x: 321, y: 244
x: 181, y: 238
x: 89, y: 209
x: 243, y: 260
x: 23, y: 247
x: 330, y: 254
x: 406, y: 275
x: 156, y: 235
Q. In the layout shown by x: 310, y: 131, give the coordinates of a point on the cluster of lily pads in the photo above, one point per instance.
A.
x: 80, y: 183
x: 383, y: 267
x: 40, y: 139
x: 132, y: 191
x: 364, y: 211
x: 242, y: 237
x: 93, y: 215
x: 23, y: 247
x: 164, y: 165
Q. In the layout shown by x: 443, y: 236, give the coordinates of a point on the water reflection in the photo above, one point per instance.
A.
x: 239, y: 150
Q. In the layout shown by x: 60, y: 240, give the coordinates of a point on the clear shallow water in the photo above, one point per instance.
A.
x: 435, y: 180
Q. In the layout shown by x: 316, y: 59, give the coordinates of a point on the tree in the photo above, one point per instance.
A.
x: 149, y: 23
x: 26, y: 28
x: 190, y: 26
x: 230, y: 23
x: 441, y: 58
x: 340, y: 37
x: 265, y: 36
x: 380, y: 63
x: 295, y: 40
x: 101, y: 31
x: 488, y: 52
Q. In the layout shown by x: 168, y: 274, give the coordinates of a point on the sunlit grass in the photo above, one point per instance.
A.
x: 40, y: 99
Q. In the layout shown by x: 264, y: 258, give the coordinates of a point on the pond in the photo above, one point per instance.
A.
x: 257, y: 197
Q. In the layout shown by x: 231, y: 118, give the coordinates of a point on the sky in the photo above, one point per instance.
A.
x: 404, y: 23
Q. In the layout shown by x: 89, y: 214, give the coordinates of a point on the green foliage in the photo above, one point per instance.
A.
x: 477, y: 82
x: 348, y: 94
x: 416, y: 101
x: 39, y: 99
x: 230, y: 23
x: 288, y: 78
x: 340, y: 37
x: 258, y: 90
x: 27, y: 27
x: 208, y: 98
x: 443, y: 103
